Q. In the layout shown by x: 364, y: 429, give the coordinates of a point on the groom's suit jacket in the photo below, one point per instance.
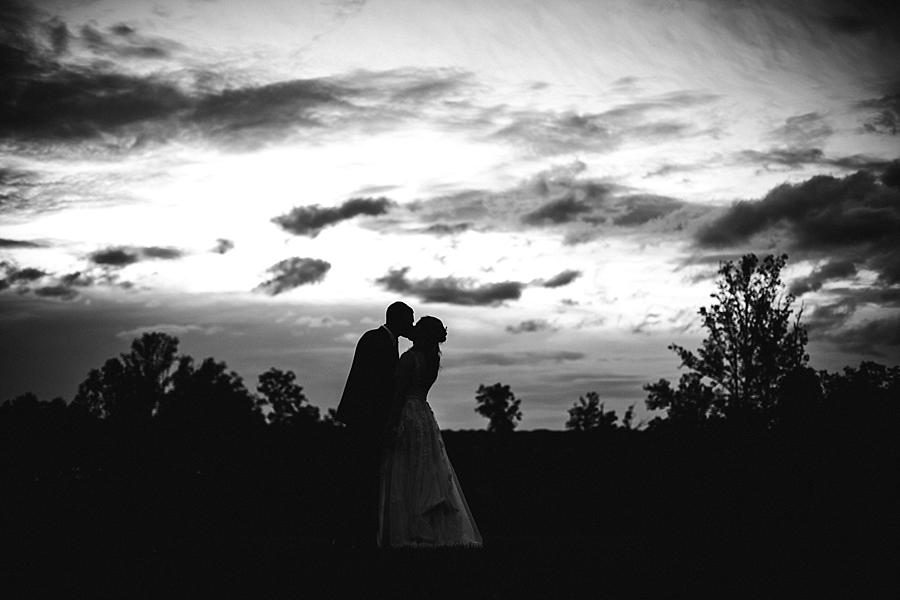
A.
x: 369, y: 389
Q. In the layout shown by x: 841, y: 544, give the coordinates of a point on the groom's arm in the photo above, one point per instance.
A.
x: 354, y: 406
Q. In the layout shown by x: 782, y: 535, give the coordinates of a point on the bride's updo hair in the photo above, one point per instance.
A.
x: 428, y: 333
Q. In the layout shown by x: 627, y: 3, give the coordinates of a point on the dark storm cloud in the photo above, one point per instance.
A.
x: 126, y: 255
x: 848, y: 225
x: 45, y: 100
x: 5, y: 243
x: 508, y: 359
x: 529, y: 326
x: 310, y: 220
x: 563, y: 278
x: 451, y: 290
x: 836, y: 269
x: 223, y: 245
x: 823, y: 213
x: 294, y: 272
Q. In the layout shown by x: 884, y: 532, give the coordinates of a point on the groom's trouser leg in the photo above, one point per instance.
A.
x: 361, y: 496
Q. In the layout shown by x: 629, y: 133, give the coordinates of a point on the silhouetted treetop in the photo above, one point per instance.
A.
x: 588, y: 414
x: 754, y: 341
x: 287, y: 403
x: 499, y: 405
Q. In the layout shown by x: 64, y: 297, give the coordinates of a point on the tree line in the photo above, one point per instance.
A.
x: 750, y: 371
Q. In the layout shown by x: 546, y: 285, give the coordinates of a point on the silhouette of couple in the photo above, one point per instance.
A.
x: 404, y: 490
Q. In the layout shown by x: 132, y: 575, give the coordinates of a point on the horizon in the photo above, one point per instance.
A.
x: 557, y: 183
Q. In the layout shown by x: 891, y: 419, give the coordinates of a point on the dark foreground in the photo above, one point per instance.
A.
x: 169, y: 513
x: 751, y: 567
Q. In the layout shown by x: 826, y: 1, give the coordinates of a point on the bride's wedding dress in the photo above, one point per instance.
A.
x: 420, y: 500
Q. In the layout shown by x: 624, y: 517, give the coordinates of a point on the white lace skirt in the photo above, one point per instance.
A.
x: 420, y: 500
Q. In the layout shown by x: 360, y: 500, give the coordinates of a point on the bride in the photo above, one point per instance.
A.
x: 421, y: 503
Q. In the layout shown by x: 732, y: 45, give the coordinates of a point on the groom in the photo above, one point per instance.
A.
x: 364, y: 408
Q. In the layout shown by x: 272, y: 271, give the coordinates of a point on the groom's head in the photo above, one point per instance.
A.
x: 399, y: 319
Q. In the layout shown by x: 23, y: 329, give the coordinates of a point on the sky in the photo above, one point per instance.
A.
x: 558, y: 182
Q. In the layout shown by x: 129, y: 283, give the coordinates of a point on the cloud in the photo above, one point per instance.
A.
x: 835, y: 269
x: 796, y: 157
x: 563, y: 278
x: 580, y: 209
x: 529, y: 326
x: 160, y: 252
x: 639, y: 209
x: 884, y: 114
x: 14, y: 183
x: 508, y: 359
x: 5, y: 243
x: 223, y: 245
x: 120, y: 41
x: 310, y: 220
x: 821, y: 214
x: 451, y: 290
x: 27, y: 274
x: 294, y: 272
x: 62, y: 292
x: 441, y: 229
x: 550, y: 132
x: 878, y: 337
x: 804, y: 130
x: 46, y: 99
x: 562, y: 210
x: 123, y: 256
x: 114, y: 257
x: 847, y: 225
x: 77, y: 279
x: 21, y: 280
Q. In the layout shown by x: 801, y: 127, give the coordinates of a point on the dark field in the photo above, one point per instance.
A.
x: 89, y: 511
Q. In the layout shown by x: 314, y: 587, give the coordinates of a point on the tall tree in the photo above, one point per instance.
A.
x: 499, y: 405
x: 754, y: 341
